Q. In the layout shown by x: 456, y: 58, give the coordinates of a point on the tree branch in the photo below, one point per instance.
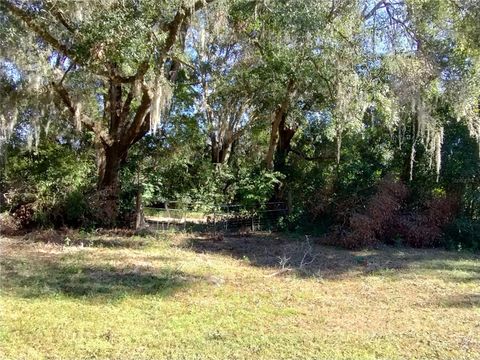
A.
x: 173, y: 28
x: 60, y: 17
x: 139, y: 118
x: 66, y: 72
x: 380, y: 5
x: 88, y: 123
x: 29, y: 19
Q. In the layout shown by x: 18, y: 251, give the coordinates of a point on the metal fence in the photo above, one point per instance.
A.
x: 175, y: 215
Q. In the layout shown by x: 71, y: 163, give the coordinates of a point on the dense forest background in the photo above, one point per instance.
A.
x: 361, y: 115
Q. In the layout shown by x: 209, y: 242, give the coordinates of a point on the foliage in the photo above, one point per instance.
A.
x: 48, y: 185
x: 367, y: 227
x: 462, y: 234
x: 255, y: 189
x: 424, y: 227
x: 310, y: 103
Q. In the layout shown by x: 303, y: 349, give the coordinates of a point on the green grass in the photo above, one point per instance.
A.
x: 196, y: 298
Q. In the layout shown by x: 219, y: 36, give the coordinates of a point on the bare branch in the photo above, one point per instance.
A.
x: 66, y: 72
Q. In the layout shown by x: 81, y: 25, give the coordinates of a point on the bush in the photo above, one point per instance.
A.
x: 382, y: 221
x: 463, y: 233
x: 75, y: 209
x: 47, y: 187
x: 424, y: 228
x: 367, y: 227
x: 9, y: 226
x: 24, y: 215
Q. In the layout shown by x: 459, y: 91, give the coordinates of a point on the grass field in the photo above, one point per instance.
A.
x: 257, y: 297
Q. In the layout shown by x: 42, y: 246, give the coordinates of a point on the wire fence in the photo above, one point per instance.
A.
x: 175, y: 215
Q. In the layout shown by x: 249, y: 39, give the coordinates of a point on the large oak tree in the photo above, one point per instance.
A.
x: 108, y: 66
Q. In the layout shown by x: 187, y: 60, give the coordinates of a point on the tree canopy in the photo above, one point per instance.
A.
x: 243, y: 100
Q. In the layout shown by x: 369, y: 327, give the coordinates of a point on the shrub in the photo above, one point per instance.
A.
x: 24, y: 215
x: 462, y: 233
x: 75, y: 209
x: 367, y: 227
x: 47, y: 187
x: 423, y: 228
x: 9, y: 226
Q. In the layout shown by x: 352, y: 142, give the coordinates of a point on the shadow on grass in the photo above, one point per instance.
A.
x: 310, y: 259
x: 72, y: 238
x: 117, y: 243
x: 463, y: 301
x: 48, y: 277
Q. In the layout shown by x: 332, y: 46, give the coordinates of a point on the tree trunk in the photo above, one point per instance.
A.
x: 139, y: 216
x: 285, y: 136
x: 278, y: 116
x: 109, y: 161
x: 108, y: 174
x: 280, y: 139
x: 215, y: 154
x: 220, y: 151
x: 273, y: 140
x: 220, y: 154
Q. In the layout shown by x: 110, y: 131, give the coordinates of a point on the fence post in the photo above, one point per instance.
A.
x: 214, y: 221
x: 184, y: 217
x: 226, y: 219
x: 289, y: 203
x: 167, y: 210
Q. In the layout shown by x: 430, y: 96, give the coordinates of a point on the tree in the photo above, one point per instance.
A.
x: 111, y: 65
x: 240, y: 92
x: 223, y: 100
